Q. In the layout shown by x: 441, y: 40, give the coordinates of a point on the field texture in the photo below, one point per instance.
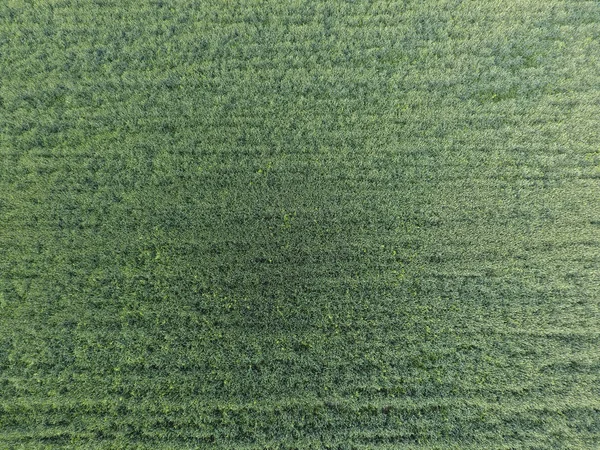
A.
x: 270, y: 224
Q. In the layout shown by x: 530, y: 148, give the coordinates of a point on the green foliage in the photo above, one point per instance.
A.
x: 341, y: 224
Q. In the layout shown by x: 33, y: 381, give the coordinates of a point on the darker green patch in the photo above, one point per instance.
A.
x: 296, y: 224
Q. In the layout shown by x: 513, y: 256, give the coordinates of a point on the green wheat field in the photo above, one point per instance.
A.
x: 262, y: 224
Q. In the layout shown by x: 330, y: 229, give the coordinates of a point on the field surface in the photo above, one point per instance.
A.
x: 244, y: 224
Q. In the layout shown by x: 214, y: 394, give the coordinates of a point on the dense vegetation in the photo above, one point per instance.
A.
x: 299, y: 224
